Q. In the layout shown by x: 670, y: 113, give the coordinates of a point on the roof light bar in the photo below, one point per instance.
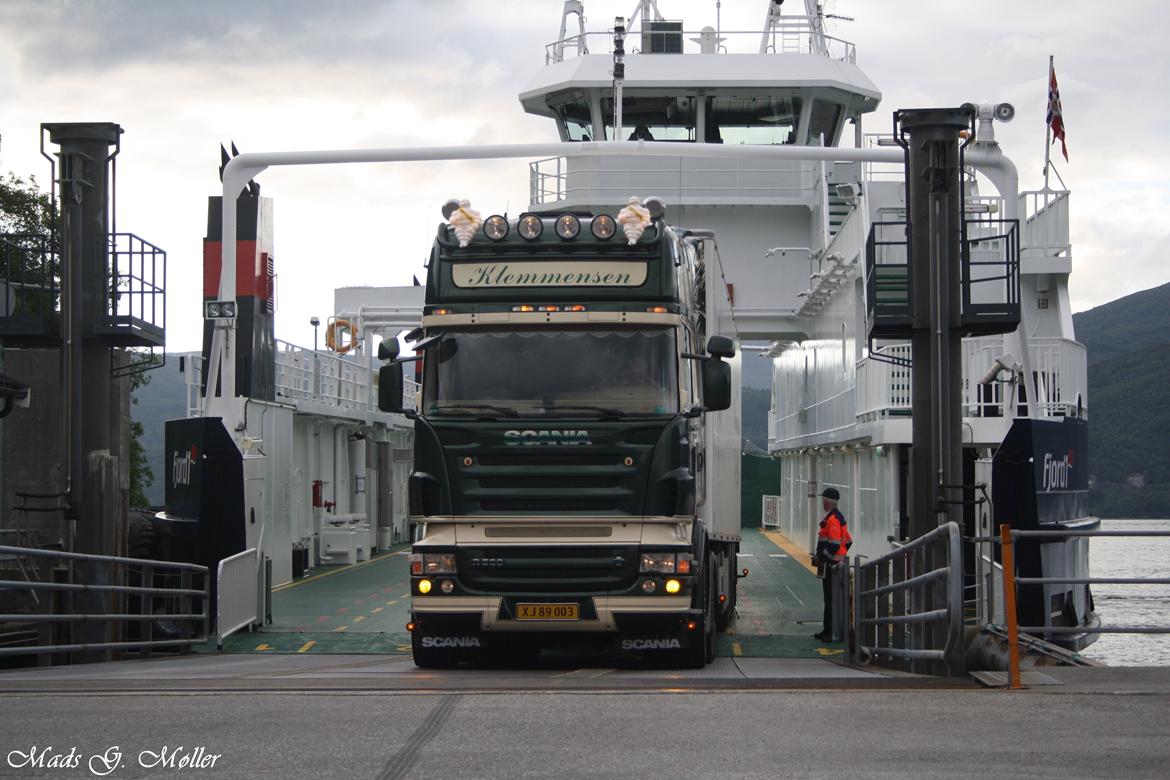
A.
x: 495, y: 227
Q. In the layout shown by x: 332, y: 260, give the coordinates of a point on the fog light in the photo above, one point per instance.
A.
x: 568, y: 226
x: 603, y: 227
x: 424, y: 586
x: 447, y: 586
x: 530, y: 227
x: 495, y: 227
x: 673, y: 586
x: 648, y: 586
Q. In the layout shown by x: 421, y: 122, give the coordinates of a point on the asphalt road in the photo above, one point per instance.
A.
x: 1044, y: 732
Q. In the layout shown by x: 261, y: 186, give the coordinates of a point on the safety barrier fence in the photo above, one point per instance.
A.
x: 1007, y: 539
x: 154, y: 592
x: 238, y: 600
x: 908, y: 606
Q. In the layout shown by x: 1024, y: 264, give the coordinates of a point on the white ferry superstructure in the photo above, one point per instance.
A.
x: 792, y: 237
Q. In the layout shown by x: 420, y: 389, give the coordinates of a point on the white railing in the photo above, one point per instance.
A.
x: 238, y: 601
x: 792, y: 35
x: 689, y: 180
x: 1060, y: 367
x: 1044, y: 222
x: 333, y: 380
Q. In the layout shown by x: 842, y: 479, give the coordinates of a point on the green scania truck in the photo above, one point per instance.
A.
x: 577, y: 441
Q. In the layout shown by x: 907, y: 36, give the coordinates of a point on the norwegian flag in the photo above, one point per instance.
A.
x: 1055, y: 120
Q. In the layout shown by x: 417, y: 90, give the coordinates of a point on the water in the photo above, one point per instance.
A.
x: 1131, y: 605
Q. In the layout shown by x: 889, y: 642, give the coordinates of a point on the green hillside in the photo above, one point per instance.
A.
x: 1129, y: 403
x: 1134, y: 322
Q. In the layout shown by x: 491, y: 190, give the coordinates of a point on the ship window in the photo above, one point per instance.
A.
x: 762, y: 120
x: 577, y: 121
x: 823, y: 120
x: 652, y: 118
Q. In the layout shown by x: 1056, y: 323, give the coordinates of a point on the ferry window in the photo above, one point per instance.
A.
x: 577, y: 120
x: 652, y: 118
x: 577, y: 372
x: 763, y: 120
x: 823, y: 120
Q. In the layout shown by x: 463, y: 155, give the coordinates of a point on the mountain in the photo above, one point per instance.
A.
x: 1129, y: 403
x: 1131, y: 323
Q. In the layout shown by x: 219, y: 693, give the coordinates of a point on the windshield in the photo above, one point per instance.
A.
x: 568, y: 373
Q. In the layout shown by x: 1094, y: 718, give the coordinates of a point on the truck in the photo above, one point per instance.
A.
x: 577, y: 440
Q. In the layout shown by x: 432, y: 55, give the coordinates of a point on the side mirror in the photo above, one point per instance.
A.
x: 721, y: 347
x: 716, y: 384
x: 388, y: 349
x: 390, y: 386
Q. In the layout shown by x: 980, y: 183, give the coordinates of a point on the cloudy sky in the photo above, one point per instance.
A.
x: 182, y: 76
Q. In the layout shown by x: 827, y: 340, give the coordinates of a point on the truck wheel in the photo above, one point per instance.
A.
x: 432, y: 657
x: 724, y: 611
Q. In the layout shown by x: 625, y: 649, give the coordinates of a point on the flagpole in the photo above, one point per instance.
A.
x: 1048, y: 125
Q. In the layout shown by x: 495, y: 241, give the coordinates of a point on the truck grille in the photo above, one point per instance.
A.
x: 548, y: 569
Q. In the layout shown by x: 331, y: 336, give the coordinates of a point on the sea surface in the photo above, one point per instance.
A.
x: 1131, y: 605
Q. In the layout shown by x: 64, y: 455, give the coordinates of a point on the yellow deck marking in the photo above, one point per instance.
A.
x: 305, y: 647
x: 829, y: 651
x: 391, y: 603
x: 736, y: 649
x: 359, y: 618
x: 263, y: 647
x: 340, y: 629
x: 376, y: 610
x: 794, y: 552
x: 404, y: 648
x: 404, y: 596
x: 324, y: 574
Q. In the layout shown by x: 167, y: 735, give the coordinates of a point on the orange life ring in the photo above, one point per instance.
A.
x: 333, y: 341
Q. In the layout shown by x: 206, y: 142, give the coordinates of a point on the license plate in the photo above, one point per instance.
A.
x: 548, y: 611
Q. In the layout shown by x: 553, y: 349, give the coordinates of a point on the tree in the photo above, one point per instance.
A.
x: 141, y: 474
x: 24, y: 209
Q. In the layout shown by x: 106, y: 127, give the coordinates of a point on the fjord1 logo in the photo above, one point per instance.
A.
x: 181, y: 463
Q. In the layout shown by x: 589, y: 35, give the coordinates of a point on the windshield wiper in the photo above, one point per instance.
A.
x: 504, y: 410
x: 606, y: 411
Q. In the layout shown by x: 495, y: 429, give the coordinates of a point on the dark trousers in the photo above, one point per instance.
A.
x: 828, y: 582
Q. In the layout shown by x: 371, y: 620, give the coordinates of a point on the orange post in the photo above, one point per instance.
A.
x: 1009, y: 607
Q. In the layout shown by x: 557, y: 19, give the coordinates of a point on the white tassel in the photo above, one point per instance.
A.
x: 466, y: 221
x: 634, y: 218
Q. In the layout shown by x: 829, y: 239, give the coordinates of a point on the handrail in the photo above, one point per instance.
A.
x: 183, y: 593
x: 912, y: 595
x: 237, y: 595
x: 1006, y: 540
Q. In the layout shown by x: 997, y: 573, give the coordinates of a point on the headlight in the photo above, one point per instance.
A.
x: 661, y: 563
x: 439, y: 563
x: 568, y: 226
x: 603, y: 227
x: 495, y: 227
x: 530, y: 227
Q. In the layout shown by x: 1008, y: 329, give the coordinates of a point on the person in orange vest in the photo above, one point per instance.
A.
x: 833, y: 542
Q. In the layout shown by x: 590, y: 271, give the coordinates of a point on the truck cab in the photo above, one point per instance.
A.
x: 565, y: 436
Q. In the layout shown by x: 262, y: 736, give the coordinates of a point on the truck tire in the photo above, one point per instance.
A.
x: 432, y: 657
